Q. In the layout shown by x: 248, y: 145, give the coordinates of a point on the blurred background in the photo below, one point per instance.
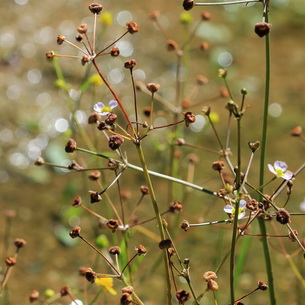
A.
x: 35, y: 120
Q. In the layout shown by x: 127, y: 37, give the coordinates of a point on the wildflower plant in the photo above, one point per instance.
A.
x: 119, y: 146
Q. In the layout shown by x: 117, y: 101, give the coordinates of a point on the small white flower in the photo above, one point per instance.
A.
x: 101, y: 109
x: 229, y: 209
x: 280, y: 170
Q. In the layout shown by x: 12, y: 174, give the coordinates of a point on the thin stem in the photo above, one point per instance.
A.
x: 262, y: 160
x: 101, y: 254
x: 135, y: 100
x: 112, y: 43
x: 226, y: 3
x: 114, y: 95
x: 158, y: 216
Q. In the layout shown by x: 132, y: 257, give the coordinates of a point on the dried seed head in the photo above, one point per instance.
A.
x: 75, y: 232
x: 95, y: 8
x: 182, y: 296
x: 293, y: 235
x: 82, y: 29
x: 144, y: 189
x: 64, y: 291
x: 10, y: 261
x: 127, y: 289
x: 50, y: 55
x: 188, y: 4
x: 254, y: 146
x: 90, y: 275
x: 185, y: 103
x: 165, y: 244
x: 209, y: 275
x: 193, y: 158
x: 115, y: 52
x: 212, y: 285
x: 82, y: 271
x: 141, y: 250
x: 262, y: 285
x: 206, y: 16
x: 95, y: 197
x: 262, y: 29
x: 204, y: 46
x: 154, y: 15
x: 283, y: 216
x: 218, y: 165
x: 115, y: 250
x: 93, y: 118
x: 60, y: 39
x: 115, y: 142
x: 296, y: 131
x: 125, y: 299
x: 111, y: 118
x: 34, y: 296
x: 79, y: 38
x: 152, y: 87
x: 175, y: 206
x: 85, y: 59
x: 112, y: 224
x: 70, y: 146
x: 252, y: 205
x: 147, y: 111
x: 39, y: 161
x: 102, y: 125
x: 201, y: 80
x: 130, y: 64
x: 19, y: 243
x: 172, y: 45
x: 224, y: 92
x: 95, y: 175
x: 189, y: 118
x: 185, y: 225
x: 132, y: 27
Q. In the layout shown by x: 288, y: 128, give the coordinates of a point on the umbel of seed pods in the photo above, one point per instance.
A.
x: 89, y: 53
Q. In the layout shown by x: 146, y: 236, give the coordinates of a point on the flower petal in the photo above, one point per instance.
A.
x: 242, y: 204
x: 228, y: 209
x: 288, y: 175
x: 271, y: 168
x: 280, y: 165
x: 98, y: 107
x: 112, y: 104
x: 241, y: 215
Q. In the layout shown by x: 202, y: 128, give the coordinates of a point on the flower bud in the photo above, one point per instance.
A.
x: 152, y: 87
x: 189, y: 118
x: 112, y: 224
x: 188, y: 4
x: 182, y: 296
x: 130, y: 64
x: 60, y: 39
x: 141, y: 250
x: 39, y: 161
x: 82, y: 29
x: 283, y: 216
x: 34, y: 296
x: 75, y: 232
x: 262, y: 29
x: 132, y: 27
x: 115, y: 142
x: 95, y: 8
x: 115, y: 52
x: 209, y: 275
x: 70, y: 146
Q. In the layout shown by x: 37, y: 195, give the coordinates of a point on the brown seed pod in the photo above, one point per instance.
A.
x: 182, y: 296
x: 75, y: 232
x: 189, y: 118
x: 70, y: 146
x: 95, y: 8
x: 132, y: 27
x: 141, y: 250
x: 115, y: 250
x: 188, y: 4
x: 262, y: 29
x: 115, y: 142
x: 283, y: 216
x: 82, y: 29
x: 112, y: 224
x: 77, y: 201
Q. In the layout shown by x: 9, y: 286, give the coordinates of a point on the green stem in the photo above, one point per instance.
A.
x: 262, y: 163
x: 158, y: 217
x: 226, y: 3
